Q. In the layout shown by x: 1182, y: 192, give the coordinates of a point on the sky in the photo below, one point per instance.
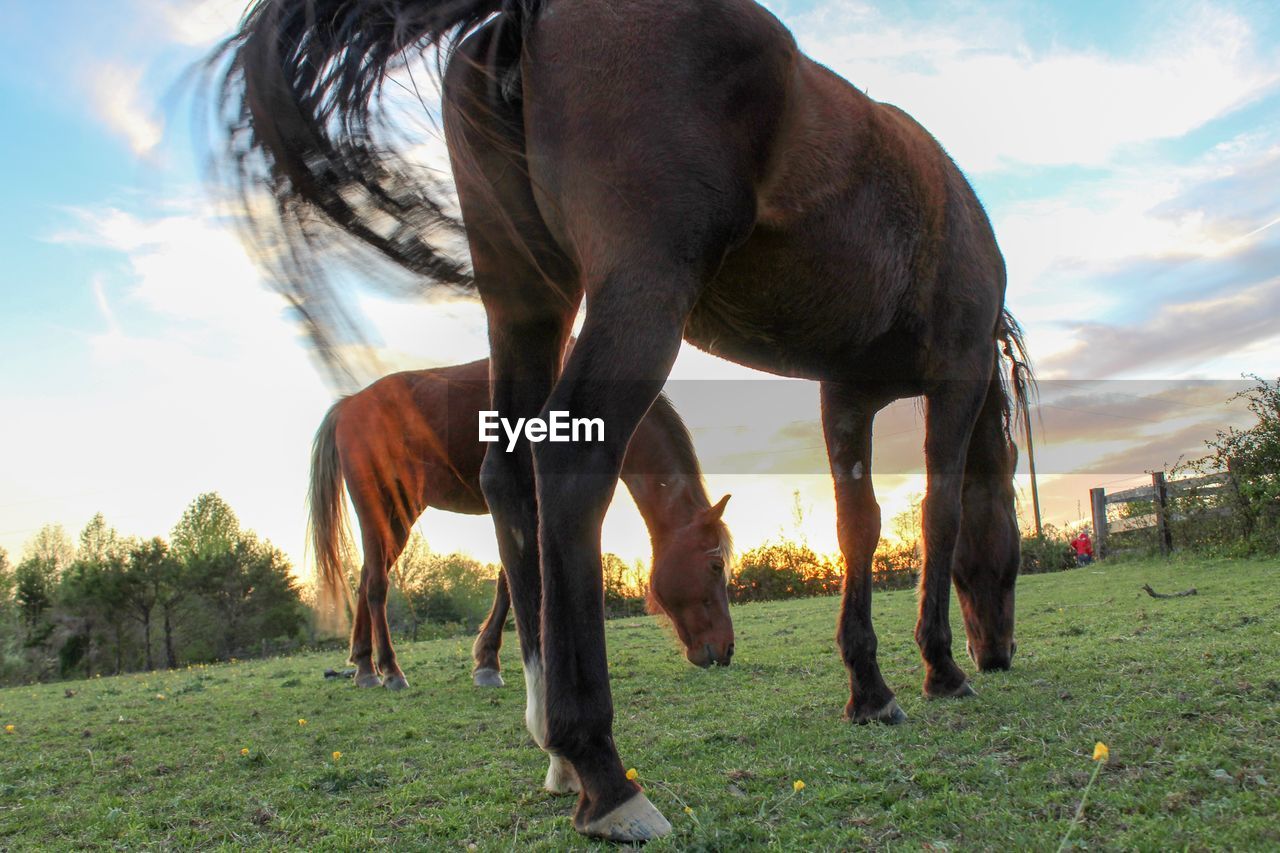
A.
x: 1128, y: 155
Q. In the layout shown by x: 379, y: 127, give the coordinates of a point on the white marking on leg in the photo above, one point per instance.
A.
x: 857, y: 470
x: 535, y: 700
x: 561, y: 777
x: 518, y: 538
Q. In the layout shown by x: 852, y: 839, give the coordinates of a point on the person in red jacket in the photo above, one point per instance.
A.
x: 1083, y: 547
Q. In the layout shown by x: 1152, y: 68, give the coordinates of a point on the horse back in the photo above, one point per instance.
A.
x: 409, y: 441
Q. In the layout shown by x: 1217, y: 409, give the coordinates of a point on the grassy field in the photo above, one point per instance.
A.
x: 1184, y: 691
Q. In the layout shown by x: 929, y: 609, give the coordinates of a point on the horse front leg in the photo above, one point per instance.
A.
x: 846, y: 423
x: 488, y: 670
x: 617, y: 368
x: 952, y: 409
x: 362, y: 634
x: 525, y: 360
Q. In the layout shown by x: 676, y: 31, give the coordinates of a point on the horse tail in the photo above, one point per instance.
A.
x: 327, y: 525
x: 1020, y: 385
x: 297, y: 103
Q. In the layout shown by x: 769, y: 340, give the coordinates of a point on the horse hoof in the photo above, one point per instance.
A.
x: 890, y: 715
x: 396, y: 682
x: 963, y: 691
x: 368, y: 679
x: 634, y: 820
x: 561, y: 777
x: 488, y: 677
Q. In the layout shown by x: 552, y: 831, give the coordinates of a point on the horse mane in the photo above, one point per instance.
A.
x: 688, y: 465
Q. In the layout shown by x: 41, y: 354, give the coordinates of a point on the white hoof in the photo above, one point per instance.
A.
x: 634, y: 820
x: 396, y: 682
x: 561, y: 777
x: 369, y: 679
x: 488, y: 677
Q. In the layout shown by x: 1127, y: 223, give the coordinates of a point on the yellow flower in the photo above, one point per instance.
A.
x: 160, y: 696
x: 1100, y: 752
x: 244, y: 751
x: 11, y: 728
x: 632, y: 774
x: 688, y: 810
x: 302, y: 722
x: 797, y: 785
x: 336, y: 755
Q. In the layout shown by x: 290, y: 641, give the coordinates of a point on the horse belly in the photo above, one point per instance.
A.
x: 797, y: 303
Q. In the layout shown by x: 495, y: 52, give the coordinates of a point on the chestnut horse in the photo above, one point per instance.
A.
x: 409, y: 442
x: 683, y: 169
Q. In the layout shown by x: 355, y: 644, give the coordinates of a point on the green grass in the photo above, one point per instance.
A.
x: 1185, y: 693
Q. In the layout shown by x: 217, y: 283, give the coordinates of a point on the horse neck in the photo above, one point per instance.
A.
x: 661, y: 472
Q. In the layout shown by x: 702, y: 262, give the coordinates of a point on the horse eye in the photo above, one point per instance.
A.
x: 717, y: 566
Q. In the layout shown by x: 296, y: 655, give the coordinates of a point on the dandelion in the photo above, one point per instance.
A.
x: 301, y: 722
x: 797, y: 785
x: 1100, y: 756
x: 688, y: 810
x: 336, y: 755
x: 244, y: 750
x: 632, y: 774
x: 160, y: 696
x: 11, y: 728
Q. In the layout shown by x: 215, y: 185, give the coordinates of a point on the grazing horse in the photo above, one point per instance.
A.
x: 408, y: 442
x: 683, y: 169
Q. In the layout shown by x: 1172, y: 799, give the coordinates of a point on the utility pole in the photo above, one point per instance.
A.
x: 1031, y: 463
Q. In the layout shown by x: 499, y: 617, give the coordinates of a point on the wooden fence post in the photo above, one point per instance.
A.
x: 1163, y: 532
x: 1098, y: 507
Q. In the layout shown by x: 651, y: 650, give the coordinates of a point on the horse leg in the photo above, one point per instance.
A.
x: 989, y: 551
x: 362, y: 634
x: 381, y: 556
x: 525, y: 359
x: 952, y: 409
x: 628, y: 344
x: 846, y: 420
x: 488, y: 671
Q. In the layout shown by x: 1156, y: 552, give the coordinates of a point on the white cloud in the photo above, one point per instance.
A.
x: 196, y: 23
x: 994, y: 102
x: 119, y: 101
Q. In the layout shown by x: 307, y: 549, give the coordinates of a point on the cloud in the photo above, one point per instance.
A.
x: 1178, y: 335
x: 196, y: 23
x: 996, y: 102
x: 119, y: 101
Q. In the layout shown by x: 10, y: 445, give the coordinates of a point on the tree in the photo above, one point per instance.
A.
x: 410, y: 583
x: 151, y: 577
x: 207, y: 528
x: 1253, y: 457
x: 252, y: 591
x: 92, y: 594
x: 52, y: 547
x: 44, y: 558
x: 6, y: 586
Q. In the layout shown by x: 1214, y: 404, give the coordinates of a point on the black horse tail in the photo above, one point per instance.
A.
x: 299, y: 112
x: 1020, y: 385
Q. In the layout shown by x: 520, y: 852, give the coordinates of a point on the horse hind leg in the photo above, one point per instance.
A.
x: 952, y: 411
x: 989, y: 551
x: 378, y: 561
x: 362, y: 636
x: 488, y: 669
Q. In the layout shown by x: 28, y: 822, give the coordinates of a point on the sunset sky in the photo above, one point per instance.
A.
x: 1128, y: 154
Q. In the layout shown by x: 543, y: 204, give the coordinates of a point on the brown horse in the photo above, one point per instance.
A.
x: 408, y: 442
x: 686, y: 171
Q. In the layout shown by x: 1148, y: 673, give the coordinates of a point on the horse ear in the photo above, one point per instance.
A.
x: 714, y: 513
